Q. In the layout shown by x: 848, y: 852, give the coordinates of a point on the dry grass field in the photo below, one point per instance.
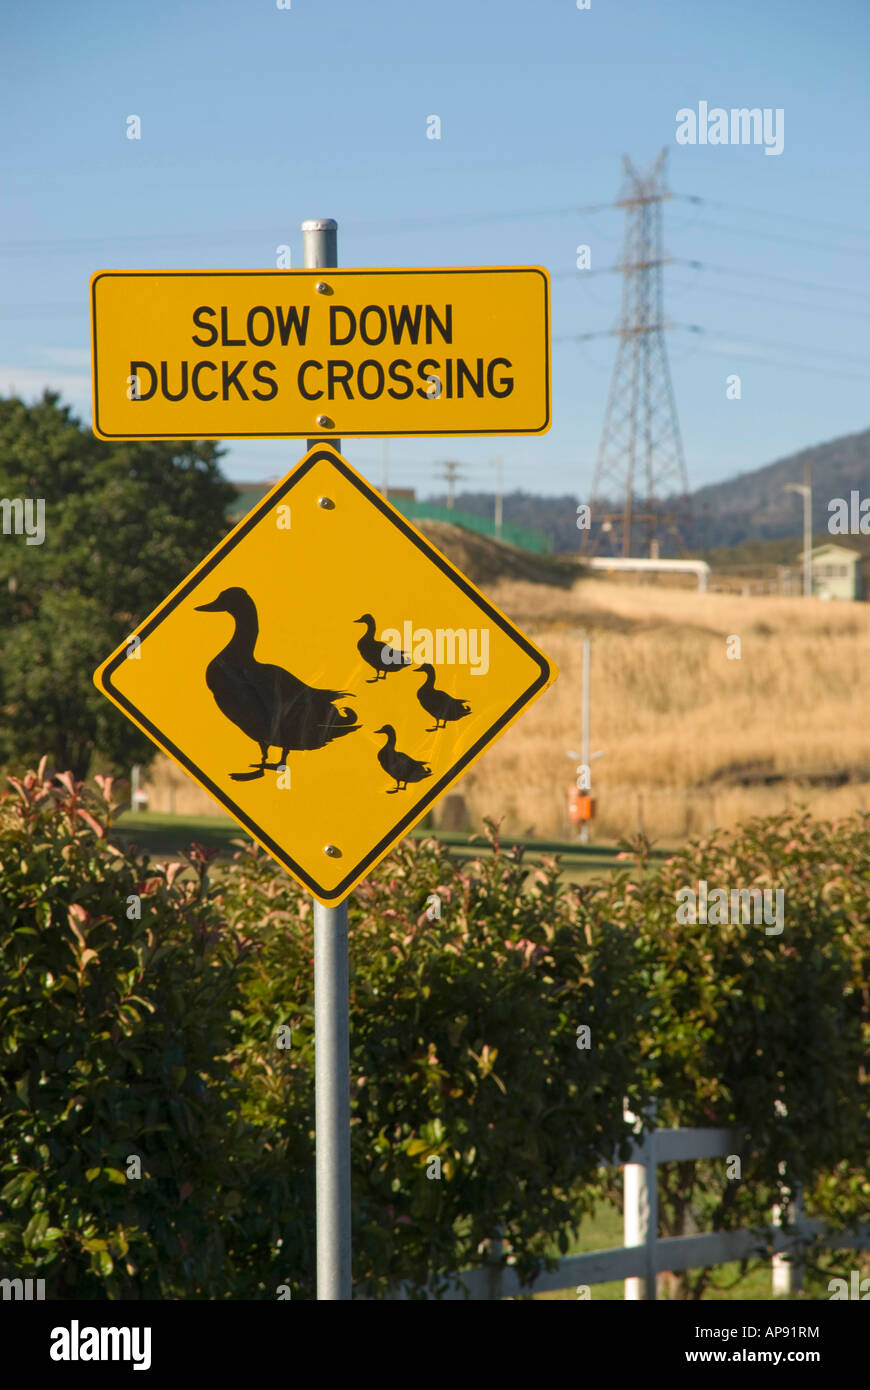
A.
x: 692, y: 739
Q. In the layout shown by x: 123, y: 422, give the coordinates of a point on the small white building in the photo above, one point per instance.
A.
x: 835, y: 571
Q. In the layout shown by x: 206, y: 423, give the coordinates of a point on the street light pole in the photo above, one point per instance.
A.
x: 806, y: 492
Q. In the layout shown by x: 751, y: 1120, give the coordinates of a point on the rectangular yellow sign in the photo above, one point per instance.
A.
x: 263, y: 354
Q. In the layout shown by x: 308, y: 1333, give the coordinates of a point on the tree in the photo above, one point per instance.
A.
x: 124, y: 523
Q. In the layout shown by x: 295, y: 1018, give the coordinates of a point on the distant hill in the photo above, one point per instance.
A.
x: 754, y: 506
x: 749, y: 507
x: 486, y: 560
x: 555, y: 516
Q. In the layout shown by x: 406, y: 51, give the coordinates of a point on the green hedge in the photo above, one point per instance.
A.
x: 769, y: 1032
x: 158, y: 1036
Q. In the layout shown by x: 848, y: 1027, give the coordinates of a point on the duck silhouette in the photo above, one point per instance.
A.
x: 382, y: 658
x: 271, y: 706
x: 438, y: 703
x: 400, y: 766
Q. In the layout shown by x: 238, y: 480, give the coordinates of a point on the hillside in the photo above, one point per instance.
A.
x: 754, y: 505
x: 750, y: 506
x: 486, y: 560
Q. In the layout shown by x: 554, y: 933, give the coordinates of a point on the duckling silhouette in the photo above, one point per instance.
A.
x: 399, y: 766
x: 438, y: 703
x: 271, y: 706
x: 382, y: 658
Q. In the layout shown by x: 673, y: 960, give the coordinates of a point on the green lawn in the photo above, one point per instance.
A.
x: 603, y: 1231
x: 161, y: 835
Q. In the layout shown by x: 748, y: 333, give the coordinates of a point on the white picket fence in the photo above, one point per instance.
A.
x: 644, y: 1255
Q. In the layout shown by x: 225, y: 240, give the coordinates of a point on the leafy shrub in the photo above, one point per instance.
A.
x: 463, y: 1049
x: 158, y: 1035
x: 765, y: 1032
x: 114, y: 1035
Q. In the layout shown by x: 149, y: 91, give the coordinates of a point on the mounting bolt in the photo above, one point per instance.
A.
x: 333, y: 851
x: 328, y: 503
x: 322, y: 288
x: 324, y: 422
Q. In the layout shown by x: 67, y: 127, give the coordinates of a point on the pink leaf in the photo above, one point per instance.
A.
x: 89, y: 820
x: 77, y: 918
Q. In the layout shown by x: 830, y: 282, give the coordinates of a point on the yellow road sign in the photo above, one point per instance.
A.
x: 229, y: 354
x: 325, y: 674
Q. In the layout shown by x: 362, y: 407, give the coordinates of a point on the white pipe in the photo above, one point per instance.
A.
x: 698, y: 567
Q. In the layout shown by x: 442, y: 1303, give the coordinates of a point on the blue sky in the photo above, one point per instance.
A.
x: 254, y: 118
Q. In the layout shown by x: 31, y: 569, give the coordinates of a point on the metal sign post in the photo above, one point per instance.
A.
x: 331, y: 998
x: 332, y: 1100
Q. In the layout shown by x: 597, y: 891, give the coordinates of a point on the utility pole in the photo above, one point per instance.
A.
x: 806, y: 491
x: 498, y: 498
x: 640, y: 458
x: 808, y: 532
x: 451, y: 472
x: 385, y: 459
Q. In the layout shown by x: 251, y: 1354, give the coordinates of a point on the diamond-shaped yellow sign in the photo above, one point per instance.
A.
x: 325, y: 674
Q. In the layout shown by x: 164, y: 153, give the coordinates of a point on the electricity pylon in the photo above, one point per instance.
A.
x: 640, y: 459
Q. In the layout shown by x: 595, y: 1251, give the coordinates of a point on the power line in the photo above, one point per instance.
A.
x: 771, y: 299
x: 767, y: 212
x: 724, y: 333
x: 413, y: 223
x: 360, y: 228
x: 466, y: 219
x: 11, y: 310
x: 783, y: 237
x: 789, y: 347
x: 726, y: 270
x: 622, y: 332
x: 800, y: 366
x: 780, y: 279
